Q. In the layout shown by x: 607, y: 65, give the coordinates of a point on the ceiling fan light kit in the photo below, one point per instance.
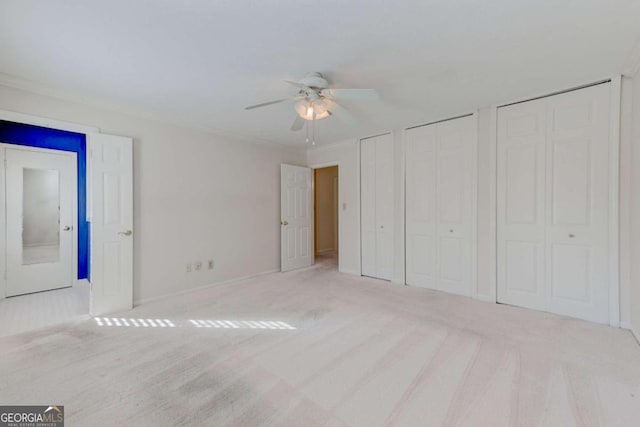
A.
x: 316, y: 100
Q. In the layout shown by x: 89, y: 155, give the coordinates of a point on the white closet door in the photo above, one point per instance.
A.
x: 384, y: 207
x: 553, y: 204
x: 440, y: 210
x: 577, y: 204
x: 455, y: 210
x: 521, y: 204
x: 376, y: 166
x: 368, y: 206
x: 421, y: 207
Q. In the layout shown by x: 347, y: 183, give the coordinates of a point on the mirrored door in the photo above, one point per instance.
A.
x: 41, y: 188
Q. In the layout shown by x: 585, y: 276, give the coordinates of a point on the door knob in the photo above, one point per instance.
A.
x: 66, y: 228
x: 284, y: 222
x: 125, y: 233
x: 571, y: 236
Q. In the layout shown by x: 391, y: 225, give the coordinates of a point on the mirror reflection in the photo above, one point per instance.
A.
x: 40, y: 216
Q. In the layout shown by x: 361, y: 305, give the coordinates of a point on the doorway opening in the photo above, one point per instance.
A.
x: 63, y: 194
x: 326, y: 217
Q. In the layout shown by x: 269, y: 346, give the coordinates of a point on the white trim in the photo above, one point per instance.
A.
x: 359, y: 202
x: 340, y: 218
x: 12, y: 116
x: 474, y: 207
x: 493, y: 204
x: 142, y: 301
x: 614, y: 200
x: 400, y: 232
x: 635, y: 335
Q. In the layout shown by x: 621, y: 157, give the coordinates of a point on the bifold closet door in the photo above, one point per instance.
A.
x: 376, y: 183
x: 553, y: 204
x: 440, y: 191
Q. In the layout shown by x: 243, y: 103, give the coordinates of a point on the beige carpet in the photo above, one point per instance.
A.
x: 315, y: 347
x: 41, y: 309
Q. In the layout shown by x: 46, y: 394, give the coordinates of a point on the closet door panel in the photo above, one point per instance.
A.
x: 421, y: 206
x: 384, y: 207
x: 578, y: 200
x: 521, y: 204
x: 368, y: 206
x: 455, y: 139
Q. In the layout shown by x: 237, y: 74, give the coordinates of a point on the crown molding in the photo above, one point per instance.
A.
x: 127, y: 110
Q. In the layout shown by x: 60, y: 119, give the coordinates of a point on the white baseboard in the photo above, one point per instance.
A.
x: 81, y: 282
x: 486, y: 298
x: 626, y: 325
x: 200, y: 288
x: 397, y: 282
x: 635, y: 335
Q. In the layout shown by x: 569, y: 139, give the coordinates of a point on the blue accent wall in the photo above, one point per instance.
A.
x: 37, y: 136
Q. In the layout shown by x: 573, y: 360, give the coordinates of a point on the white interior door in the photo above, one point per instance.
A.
x: 40, y: 211
x: 296, y: 223
x: 577, y: 215
x: 521, y: 204
x: 440, y: 191
x: 376, y: 206
x: 111, y: 190
x: 553, y: 204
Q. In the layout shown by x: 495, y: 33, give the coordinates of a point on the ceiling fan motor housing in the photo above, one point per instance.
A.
x: 314, y: 81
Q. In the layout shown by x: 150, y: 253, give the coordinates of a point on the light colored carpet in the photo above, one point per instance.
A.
x: 41, y: 309
x: 363, y: 353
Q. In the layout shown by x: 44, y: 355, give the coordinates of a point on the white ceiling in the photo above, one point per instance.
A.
x: 202, y: 61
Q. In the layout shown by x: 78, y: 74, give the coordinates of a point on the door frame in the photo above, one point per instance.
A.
x: 313, y: 187
x: 29, y: 119
x: 615, y: 101
x: 3, y: 209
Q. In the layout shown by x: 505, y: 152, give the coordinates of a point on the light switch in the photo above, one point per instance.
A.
x: 344, y: 206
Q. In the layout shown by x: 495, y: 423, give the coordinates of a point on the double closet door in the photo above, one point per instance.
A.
x: 553, y: 203
x: 440, y: 211
x: 376, y: 182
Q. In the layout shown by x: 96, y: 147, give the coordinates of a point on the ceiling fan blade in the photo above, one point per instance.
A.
x: 340, y: 112
x: 359, y: 94
x: 298, y: 124
x: 296, y: 84
x: 277, y: 101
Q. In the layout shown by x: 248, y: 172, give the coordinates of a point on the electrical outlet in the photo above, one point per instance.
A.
x: 188, y: 268
x: 198, y: 265
x: 210, y: 264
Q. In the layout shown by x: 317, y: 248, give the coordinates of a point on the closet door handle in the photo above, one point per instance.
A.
x: 571, y: 236
x: 125, y: 233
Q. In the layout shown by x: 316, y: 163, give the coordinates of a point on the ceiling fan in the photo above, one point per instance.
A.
x: 315, y: 100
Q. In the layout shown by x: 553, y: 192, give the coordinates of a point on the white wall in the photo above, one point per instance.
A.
x: 634, y: 217
x: 197, y: 196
